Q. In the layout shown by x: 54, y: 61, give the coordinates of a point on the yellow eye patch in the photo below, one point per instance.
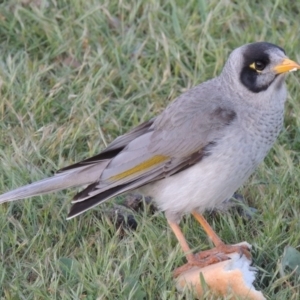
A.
x: 254, y: 67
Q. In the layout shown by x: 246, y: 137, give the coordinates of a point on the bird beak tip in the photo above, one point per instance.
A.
x: 286, y: 65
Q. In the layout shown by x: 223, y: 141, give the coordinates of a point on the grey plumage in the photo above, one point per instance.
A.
x: 195, y: 154
x: 70, y: 178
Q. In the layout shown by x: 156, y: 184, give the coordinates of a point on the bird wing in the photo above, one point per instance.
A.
x: 181, y: 136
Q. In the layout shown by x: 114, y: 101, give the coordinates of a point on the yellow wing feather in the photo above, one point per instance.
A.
x: 155, y: 160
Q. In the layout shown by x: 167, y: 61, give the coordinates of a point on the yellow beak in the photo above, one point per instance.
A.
x: 286, y: 65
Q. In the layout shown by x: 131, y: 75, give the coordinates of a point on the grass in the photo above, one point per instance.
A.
x: 76, y: 74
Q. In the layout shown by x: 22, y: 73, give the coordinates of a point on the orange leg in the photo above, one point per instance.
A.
x: 208, y: 257
x: 181, y: 240
x: 207, y: 228
x: 193, y: 260
x: 220, y: 247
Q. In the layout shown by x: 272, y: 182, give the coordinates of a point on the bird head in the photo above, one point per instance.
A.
x: 258, y: 66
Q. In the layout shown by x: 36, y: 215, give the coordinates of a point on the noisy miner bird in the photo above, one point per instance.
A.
x: 196, y: 153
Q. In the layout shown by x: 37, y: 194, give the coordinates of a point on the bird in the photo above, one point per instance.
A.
x: 196, y: 153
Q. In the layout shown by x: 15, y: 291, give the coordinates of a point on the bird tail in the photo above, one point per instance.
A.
x: 75, y: 177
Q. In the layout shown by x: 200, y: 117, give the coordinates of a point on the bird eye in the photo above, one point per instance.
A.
x: 259, y: 65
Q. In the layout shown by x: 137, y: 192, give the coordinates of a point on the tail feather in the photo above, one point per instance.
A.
x: 80, y: 207
x: 75, y: 177
x: 87, y: 203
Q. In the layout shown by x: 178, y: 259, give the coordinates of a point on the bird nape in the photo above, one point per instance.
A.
x: 196, y: 153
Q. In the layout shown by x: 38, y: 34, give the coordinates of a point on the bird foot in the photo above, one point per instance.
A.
x: 213, y: 256
x: 200, y: 260
x: 242, y: 249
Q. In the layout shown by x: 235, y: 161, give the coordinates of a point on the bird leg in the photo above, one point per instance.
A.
x: 220, y: 246
x: 208, y: 257
x: 191, y: 258
x: 181, y: 240
x: 207, y: 228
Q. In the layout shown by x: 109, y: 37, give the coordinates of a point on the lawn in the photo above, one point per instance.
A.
x: 76, y: 74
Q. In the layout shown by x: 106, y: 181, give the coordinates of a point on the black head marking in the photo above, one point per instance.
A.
x: 256, y: 52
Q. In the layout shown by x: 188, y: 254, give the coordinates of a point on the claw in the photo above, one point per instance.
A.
x: 213, y: 256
